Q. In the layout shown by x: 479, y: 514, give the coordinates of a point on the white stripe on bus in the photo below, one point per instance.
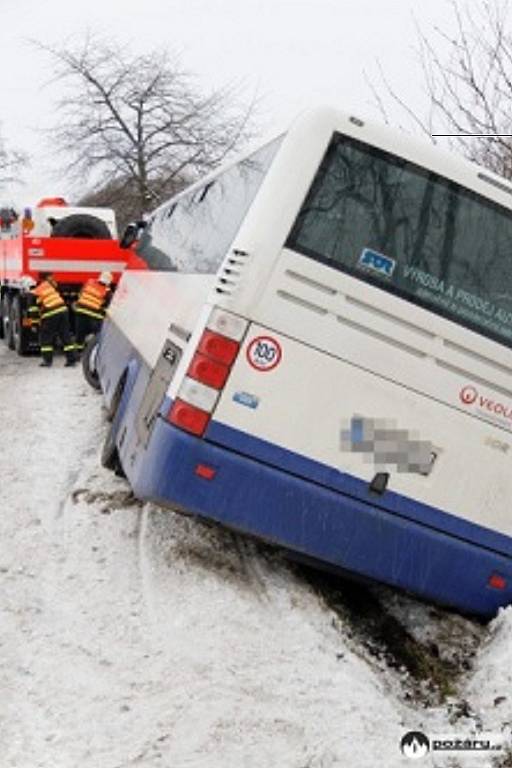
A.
x: 47, y: 265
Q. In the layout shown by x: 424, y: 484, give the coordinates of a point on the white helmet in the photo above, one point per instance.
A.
x: 105, y: 278
x: 28, y: 282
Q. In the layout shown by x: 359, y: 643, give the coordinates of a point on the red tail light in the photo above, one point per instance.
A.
x: 208, y: 371
x: 496, y: 581
x: 218, y: 347
x: 205, y: 471
x: 188, y: 417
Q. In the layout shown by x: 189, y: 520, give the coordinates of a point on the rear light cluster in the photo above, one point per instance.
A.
x: 208, y: 372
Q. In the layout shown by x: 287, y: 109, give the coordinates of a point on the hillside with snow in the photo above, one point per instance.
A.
x: 133, y: 636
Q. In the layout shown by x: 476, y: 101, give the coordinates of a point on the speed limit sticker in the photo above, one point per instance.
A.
x: 264, y: 353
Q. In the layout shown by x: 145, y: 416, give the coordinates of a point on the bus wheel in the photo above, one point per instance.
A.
x: 109, y: 454
x: 19, y: 334
x: 6, y: 321
x: 89, y: 356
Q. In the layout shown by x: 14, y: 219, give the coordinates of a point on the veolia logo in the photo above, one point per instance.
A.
x: 468, y: 395
x: 486, y: 406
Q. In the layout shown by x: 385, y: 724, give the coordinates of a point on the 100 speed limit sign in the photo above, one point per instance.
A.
x: 264, y: 353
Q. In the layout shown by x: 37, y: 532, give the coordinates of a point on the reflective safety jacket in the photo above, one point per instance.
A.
x: 48, y: 298
x: 92, y: 299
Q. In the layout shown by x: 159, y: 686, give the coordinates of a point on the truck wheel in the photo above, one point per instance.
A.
x: 83, y: 226
x: 89, y: 363
x: 6, y: 321
x: 19, y: 334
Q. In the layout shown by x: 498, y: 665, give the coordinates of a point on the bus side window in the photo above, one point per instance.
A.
x: 192, y: 232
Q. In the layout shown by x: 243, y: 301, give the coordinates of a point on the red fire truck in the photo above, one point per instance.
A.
x: 72, y: 243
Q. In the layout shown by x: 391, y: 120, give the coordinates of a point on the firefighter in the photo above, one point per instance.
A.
x: 54, y: 321
x: 27, y: 284
x: 27, y: 222
x: 90, y: 307
x: 7, y: 218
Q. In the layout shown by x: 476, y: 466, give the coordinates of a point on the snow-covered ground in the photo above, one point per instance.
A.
x: 130, y: 636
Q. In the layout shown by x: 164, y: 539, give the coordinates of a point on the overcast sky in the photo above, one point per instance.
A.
x: 293, y: 53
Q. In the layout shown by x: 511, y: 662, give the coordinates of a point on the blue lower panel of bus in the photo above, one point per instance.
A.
x: 321, y: 523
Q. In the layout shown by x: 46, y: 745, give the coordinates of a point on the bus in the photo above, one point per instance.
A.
x: 320, y: 357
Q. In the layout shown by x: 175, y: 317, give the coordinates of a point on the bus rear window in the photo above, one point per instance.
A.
x: 410, y: 232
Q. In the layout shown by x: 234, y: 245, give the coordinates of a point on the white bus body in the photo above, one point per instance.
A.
x: 338, y: 377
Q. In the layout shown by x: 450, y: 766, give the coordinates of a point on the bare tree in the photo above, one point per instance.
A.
x: 11, y: 162
x: 122, y: 194
x: 467, y: 73
x: 140, y: 121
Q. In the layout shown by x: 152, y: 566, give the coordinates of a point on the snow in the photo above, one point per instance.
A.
x: 490, y: 688
x: 131, y: 636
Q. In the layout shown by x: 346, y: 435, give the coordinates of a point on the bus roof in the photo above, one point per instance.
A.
x: 321, y: 122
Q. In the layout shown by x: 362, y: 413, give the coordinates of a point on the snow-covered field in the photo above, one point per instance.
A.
x: 130, y: 636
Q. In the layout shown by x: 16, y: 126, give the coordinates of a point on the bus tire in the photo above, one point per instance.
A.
x: 6, y: 321
x: 19, y: 334
x: 89, y: 363
x: 83, y: 226
x: 109, y: 453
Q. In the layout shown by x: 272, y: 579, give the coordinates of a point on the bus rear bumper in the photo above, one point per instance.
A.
x: 179, y: 470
